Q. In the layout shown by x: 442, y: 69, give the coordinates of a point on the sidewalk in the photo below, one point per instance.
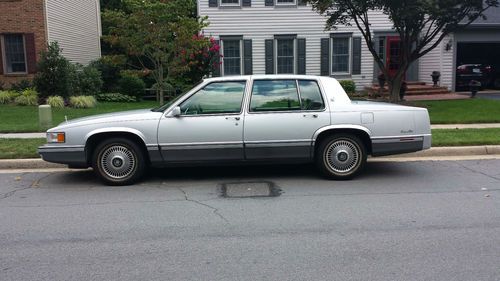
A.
x: 447, y: 126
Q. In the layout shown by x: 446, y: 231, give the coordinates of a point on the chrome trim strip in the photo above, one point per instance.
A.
x: 200, y: 143
x: 45, y: 149
x: 399, y: 140
x: 278, y: 141
x: 401, y: 136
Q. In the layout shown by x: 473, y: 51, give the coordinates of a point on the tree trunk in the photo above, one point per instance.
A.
x: 395, y: 84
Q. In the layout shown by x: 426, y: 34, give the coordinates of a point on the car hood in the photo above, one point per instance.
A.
x: 139, y: 114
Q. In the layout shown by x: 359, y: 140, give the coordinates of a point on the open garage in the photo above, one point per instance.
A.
x: 478, y: 61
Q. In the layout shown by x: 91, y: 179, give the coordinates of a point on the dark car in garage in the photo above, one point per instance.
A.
x: 487, y: 74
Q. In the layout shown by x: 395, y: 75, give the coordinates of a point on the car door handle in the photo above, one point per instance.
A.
x: 233, y: 118
x: 310, y: 116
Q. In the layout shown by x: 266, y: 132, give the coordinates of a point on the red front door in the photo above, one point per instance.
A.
x: 393, y: 57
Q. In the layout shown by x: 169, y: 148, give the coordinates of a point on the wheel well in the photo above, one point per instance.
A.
x: 362, y: 135
x: 94, y: 140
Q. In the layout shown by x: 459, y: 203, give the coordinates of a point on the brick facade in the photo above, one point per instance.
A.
x: 26, y: 17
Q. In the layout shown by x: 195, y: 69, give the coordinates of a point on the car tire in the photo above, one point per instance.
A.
x: 118, y: 161
x: 341, y: 157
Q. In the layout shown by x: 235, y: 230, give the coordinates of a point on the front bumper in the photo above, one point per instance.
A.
x: 73, y: 156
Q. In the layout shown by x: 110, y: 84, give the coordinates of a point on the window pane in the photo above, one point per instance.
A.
x: 340, y: 55
x: 285, y: 58
x: 285, y: 1
x: 14, y: 53
x: 310, y: 95
x: 232, y: 58
x: 237, y: 2
x: 274, y: 95
x: 215, y: 98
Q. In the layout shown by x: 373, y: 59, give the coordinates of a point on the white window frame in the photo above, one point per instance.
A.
x: 285, y: 4
x: 294, y: 55
x: 4, y: 56
x: 349, y: 63
x: 223, y: 57
x: 230, y: 4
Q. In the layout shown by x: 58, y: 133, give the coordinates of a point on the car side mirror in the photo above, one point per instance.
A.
x: 176, y: 112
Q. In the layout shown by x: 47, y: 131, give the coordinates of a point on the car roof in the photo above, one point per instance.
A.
x: 267, y: 76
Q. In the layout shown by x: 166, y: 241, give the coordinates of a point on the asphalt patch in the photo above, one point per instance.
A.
x: 253, y: 189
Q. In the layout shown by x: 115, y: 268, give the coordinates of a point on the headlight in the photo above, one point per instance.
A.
x: 56, y: 137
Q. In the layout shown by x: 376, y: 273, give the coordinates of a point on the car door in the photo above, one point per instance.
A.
x: 282, y: 117
x: 210, y: 126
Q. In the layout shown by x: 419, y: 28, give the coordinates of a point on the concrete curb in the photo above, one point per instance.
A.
x: 483, y: 150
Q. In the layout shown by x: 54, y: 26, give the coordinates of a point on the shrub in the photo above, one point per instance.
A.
x: 54, y: 72
x: 115, y: 97
x: 21, y: 85
x: 55, y: 101
x: 88, y: 81
x: 27, y: 97
x: 7, y: 97
x: 349, y: 86
x: 110, y: 67
x: 82, y: 101
x: 132, y: 86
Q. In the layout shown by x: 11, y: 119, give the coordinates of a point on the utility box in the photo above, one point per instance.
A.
x: 44, y: 116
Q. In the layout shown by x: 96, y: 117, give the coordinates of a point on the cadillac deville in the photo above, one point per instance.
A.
x: 242, y: 119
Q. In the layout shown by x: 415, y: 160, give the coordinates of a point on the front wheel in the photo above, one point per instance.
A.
x: 341, y: 157
x: 118, y: 161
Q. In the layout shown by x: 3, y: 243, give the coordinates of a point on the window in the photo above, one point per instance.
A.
x: 310, y: 95
x: 341, y: 49
x: 285, y: 2
x: 231, y: 52
x: 215, y: 98
x: 274, y: 95
x: 230, y: 2
x: 14, y: 53
x: 285, y: 60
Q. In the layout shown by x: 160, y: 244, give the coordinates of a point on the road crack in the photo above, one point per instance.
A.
x: 477, y: 172
x: 214, y: 210
x: 34, y: 184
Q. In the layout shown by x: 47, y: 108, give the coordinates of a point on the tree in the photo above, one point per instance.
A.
x: 157, y: 32
x: 421, y: 24
x: 53, y: 77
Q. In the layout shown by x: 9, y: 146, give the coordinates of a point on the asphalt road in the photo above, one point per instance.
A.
x: 398, y: 221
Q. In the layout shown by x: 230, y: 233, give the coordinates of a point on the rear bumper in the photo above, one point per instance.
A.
x: 73, y: 156
x: 400, y: 145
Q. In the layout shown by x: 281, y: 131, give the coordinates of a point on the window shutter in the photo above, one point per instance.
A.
x: 269, y: 56
x: 29, y: 39
x: 302, y: 2
x: 1, y: 57
x: 247, y: 57
x: 216, y: 72
x: 301, y: 56
x: 325, y: 56
x: 269, y: 2
x: 247, y: 3
x: 356, y: 55
x: 212, y: 3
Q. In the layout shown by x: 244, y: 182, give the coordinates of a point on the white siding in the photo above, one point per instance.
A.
x: 261, y: 22
x: 76, y: 26
x: 439, y: 59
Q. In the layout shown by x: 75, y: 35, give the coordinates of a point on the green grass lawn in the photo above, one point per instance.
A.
x: 17, y: 119
x: 20, y: 148
x: 462, y: 111
x: 26, y: 148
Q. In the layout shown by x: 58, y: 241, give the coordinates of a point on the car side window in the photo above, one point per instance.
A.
x: 274, y: 95
x: 216, y: 98
x: 310, y: 95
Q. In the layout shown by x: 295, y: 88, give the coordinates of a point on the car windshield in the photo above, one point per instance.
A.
x: 169, y: 103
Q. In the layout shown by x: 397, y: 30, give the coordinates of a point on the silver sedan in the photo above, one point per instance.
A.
x: 242, y: 119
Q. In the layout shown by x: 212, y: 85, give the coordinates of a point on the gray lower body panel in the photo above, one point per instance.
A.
x: 73, y: 157
x: 392, y: 146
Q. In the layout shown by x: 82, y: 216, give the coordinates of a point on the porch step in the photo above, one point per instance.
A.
x: 414, y: 88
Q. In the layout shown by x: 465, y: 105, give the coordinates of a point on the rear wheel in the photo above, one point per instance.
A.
x: 118, y: 161
x: 341, y: 157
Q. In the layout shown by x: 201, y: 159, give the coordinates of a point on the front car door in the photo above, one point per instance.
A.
x: 282, y: 117
x: 209, y: 128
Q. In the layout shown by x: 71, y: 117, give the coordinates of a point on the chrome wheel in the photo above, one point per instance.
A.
x: 343, y: 156
x: 118, y: 162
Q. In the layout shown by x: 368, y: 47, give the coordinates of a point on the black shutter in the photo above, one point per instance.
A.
x: 213, y: 3
x: 325, y: 56
x: 356, y: 55
x: 29, y: 39
x: 217, y: 65
x: 301, y: 56
x: 269, y: 56
x: 247, y: 57
x: 302, y: 2
x: 269, y: 2
x: 1, y: 57
x: 247, y: 3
